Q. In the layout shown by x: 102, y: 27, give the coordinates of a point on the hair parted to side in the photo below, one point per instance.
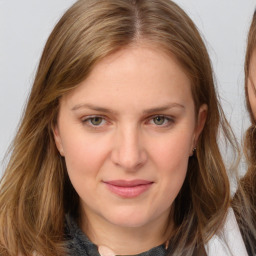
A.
x: 244, y: 202
x: 35, y: 189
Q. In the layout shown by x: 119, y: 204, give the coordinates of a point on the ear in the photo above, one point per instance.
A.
x: 201, y: 119
x: 57, y: 139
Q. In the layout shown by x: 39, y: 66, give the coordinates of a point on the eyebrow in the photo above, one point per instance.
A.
x: 163, y: 108
x: 107, y: 110
x: 92, y: 107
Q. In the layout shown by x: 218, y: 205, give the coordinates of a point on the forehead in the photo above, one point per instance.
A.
x: 140, y: 72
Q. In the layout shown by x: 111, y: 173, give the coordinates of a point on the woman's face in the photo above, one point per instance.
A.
x: 252, y: 84
x: 127, y: 133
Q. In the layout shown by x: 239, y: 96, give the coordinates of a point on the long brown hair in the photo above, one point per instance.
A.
x: 35, y: 189
x: 244, y: 202
x: 250, y: 136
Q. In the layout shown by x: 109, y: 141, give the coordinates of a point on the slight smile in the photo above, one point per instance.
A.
x: 128, y: 189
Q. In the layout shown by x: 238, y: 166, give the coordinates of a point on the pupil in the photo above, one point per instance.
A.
x: 159, y: 120
x: 96, y: 120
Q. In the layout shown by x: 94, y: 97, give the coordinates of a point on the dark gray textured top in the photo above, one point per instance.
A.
x: 79, y: 245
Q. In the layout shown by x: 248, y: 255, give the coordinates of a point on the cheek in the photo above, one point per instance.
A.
x: 84, y: 155
x: 171, y: 157
x: 175, y: 163
x: 178, y: 148
x: 174, y: 148
x: 84, y: 159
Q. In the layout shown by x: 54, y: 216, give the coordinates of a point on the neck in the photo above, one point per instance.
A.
x: 126, y: 240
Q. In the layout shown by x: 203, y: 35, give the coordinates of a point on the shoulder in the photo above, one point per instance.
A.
x: 229, y: 241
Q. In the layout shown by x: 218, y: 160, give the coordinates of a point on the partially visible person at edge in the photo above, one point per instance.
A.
x: 244, y: 202
x: 117, y: 151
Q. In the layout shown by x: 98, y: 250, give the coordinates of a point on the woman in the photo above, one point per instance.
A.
x: 117, y: 151
x: 245, y: 201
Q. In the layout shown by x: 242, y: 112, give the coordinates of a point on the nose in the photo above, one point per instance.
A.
x: 128, y: 150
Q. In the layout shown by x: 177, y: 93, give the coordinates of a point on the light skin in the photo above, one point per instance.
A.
x: 252, y: 83
x: 132, y: 121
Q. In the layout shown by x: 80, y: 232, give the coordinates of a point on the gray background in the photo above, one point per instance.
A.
x: 25, y: 26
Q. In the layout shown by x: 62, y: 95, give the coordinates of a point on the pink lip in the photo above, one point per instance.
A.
x: 128, y: 189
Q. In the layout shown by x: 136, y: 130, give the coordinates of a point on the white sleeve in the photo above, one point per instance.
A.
x: 229, y: 242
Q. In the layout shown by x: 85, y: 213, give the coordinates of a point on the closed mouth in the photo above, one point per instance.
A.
x: 128, y: 189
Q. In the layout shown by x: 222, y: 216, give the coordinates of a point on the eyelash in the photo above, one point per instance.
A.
x: 88, y: 119
x: 168, y: 121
